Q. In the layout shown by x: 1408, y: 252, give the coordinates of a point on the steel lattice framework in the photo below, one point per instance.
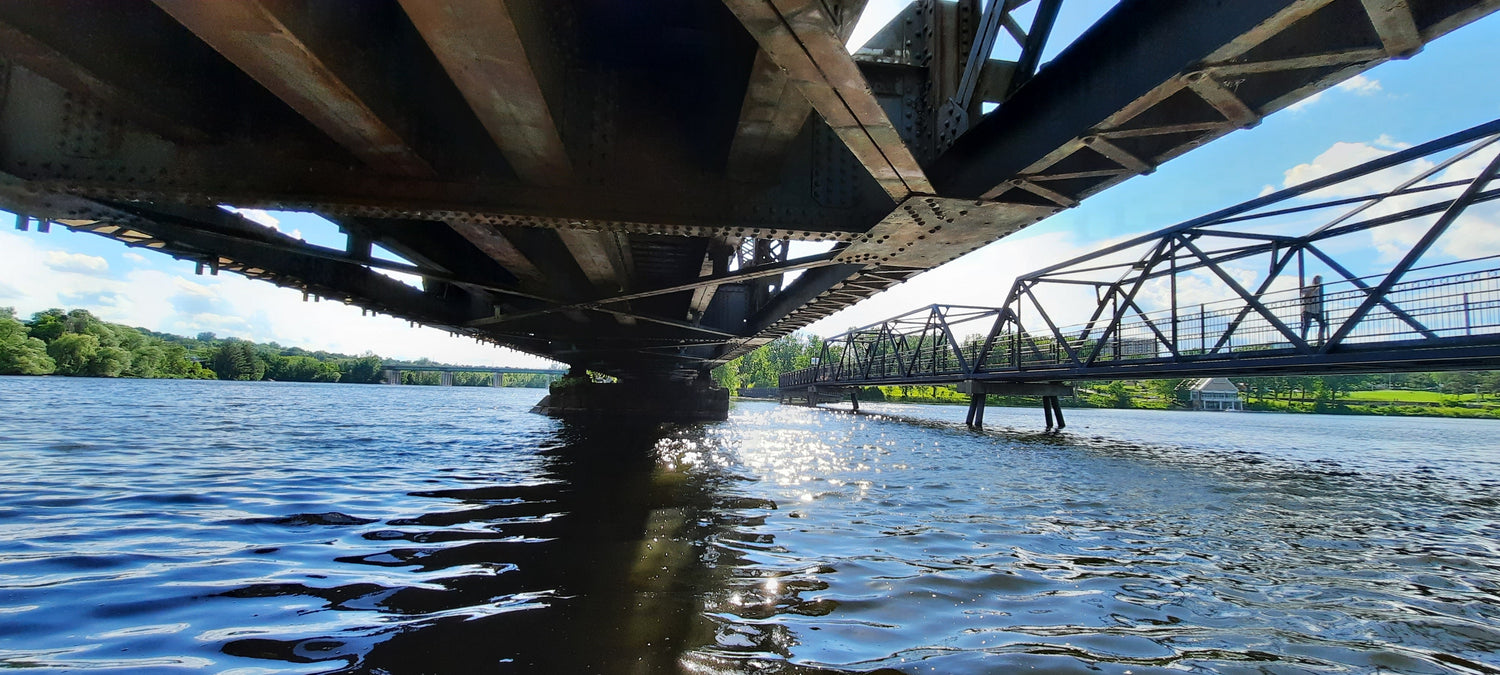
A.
x: 1239, y: 291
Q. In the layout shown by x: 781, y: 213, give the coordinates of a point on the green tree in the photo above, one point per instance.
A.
x: 728, y: 376
x: 47, y: 326
x: 1117, y: 394
x: 21, y: 354
x: 108, y: 361
x: 363, y: 370
x: 237, y: 360
x: 72, y: 352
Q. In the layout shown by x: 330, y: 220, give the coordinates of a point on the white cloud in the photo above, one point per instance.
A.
x: 77, y: 263
x: 1359, y: 85
x: 257, y: 216
x: 133, y: 257
x: 1305, y: 103
x: 982, y: 278
x: 1472, y: 235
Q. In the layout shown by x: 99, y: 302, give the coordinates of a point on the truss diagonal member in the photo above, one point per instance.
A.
x: 801, y: 38
x: 1160, y: 337
x: 921, y: 339
x: 1034, y: 42
x: 1276, y: 268
x: 1454, y: 210
x: 1001, y: 316
x: 1056, y: 333
x: 771, y: 116
x: 1152, y: 259
x: 1361, y: 285
x: 1406, y: 185
x: 1245, y: 295
x: 1486, y: 129
x: 897, y: 349
x: 774, y: 111
x: 254, y: 37
x: 963, y: 363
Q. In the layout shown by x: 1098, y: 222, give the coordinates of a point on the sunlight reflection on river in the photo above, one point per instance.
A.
x: 250, y: 527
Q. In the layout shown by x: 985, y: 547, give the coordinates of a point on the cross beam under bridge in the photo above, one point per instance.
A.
x: 1241, y: 291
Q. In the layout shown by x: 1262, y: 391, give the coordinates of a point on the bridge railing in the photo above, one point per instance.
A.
x: 1235, y: 285
x: 1465, y: 304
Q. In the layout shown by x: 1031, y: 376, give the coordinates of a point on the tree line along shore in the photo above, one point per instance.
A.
x: 78, y: 344
x: 1438, y: 394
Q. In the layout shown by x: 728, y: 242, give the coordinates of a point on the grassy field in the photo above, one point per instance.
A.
x: 1409, y: 396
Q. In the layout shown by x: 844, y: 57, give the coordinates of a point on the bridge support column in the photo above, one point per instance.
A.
x: 393, y: 377
x: 854, y: 398
x: 499, y: 380
x: 1048, y: 391
x: 977, y: 396
x: 576, y: 396
x: 447, y: 378
x: 1051, y: 406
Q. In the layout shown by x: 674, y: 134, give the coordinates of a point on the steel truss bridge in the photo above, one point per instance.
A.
x: 1394, y: 243
x: 614, y: 185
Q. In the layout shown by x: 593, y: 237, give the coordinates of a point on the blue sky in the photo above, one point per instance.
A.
x: 1447, y: 87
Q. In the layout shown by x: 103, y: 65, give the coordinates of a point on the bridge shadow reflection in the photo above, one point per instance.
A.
x: 595, y: 567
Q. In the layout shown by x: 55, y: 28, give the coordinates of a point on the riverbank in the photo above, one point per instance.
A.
x: 1384, y: 403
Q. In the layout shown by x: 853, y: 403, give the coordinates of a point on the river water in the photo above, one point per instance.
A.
x: 165, y: 526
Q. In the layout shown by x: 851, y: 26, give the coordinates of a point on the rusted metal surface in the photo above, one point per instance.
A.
x: 251, y: 35
x: 773, y: 115
x: 477, y: 43
x: 801, y: 38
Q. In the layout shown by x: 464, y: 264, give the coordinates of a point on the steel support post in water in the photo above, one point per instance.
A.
x: 1050, y: 407
x: 977, y: 396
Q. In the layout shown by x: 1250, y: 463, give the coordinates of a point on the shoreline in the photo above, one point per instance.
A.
x: 1289, y: 408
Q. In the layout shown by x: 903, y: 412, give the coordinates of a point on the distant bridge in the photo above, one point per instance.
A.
x: 393, y: 372
x: 1425, y: 308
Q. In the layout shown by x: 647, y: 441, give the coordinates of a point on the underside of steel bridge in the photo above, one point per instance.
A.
x: 614, y: 185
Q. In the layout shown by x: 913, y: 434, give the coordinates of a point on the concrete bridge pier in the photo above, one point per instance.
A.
x: 447, y: 378
x: 577, y: 396
x: 393, y: 377
x: 499, y: 379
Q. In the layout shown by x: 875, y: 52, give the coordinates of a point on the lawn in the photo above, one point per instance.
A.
x: 1406, y: 395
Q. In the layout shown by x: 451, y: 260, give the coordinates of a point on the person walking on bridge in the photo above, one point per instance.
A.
x: 1312, y: 308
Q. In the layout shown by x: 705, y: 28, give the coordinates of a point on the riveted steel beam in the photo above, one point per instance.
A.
x: 479, y: 46
x: 255, y: 36
x: 800, y: 37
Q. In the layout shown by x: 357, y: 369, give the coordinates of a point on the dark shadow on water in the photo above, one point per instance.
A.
x: 598, y: 570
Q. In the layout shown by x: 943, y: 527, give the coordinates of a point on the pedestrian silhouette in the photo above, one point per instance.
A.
x: 1312, y: 308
